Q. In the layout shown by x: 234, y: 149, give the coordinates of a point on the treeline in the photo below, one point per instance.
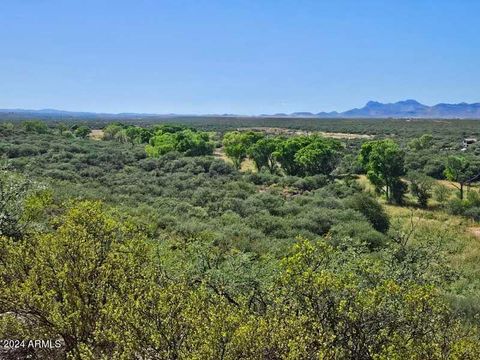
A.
x: 296, y: 155
x: 448, y: 133
x: 384, y: 162
x: 416, y: 163
x: 163, y: 139
x: 40, y: 127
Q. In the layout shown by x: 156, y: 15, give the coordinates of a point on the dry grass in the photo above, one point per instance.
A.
x: 96, y: 134
x: 457, y: 235
x: 365, y: 184
x: 248, y: 166
x: 219, y: 153
x: 455, y: 186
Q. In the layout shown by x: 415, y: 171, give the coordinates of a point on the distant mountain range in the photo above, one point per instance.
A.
x: 62, y: 114
x: 404, y: 109
x: 401, y: 109
x: 409, y: 109
x: 373, y: 109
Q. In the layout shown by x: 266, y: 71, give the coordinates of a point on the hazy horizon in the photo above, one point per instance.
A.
x: 238, y: 57
x: 204, y: 114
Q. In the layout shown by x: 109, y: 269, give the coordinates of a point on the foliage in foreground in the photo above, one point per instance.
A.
x: 107, y: 292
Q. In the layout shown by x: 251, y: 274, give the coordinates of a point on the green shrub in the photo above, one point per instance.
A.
x: 455, y: 206
x: 371, y: 209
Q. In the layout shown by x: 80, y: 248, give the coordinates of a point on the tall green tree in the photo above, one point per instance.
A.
x: 186, y: 141
x: 383, y: 161
x: 320, y: 156
x: 111, y: 130
x: 237, y: 143
x: 160, y: 144
x: 134, y: 134
x: 82, y: 131
x: 262, y: 153
x: 457, y: 171
x: 193, y: 143
x: 287, y: 150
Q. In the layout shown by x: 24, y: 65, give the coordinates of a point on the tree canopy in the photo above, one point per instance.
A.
x: 383, y: 161
x: 320, y: 156
x: 262, y: 153
x: 186, y: 141
x: 237, y: 144
x: 457, y: 169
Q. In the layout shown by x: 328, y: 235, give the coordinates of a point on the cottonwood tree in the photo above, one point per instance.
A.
x: 383, y: 161
x: 186, y: 141
x: 320, y: 156
x: 237, y: 143
x: 82, y: 131
x: 262, y: 153
x: 286, y: 152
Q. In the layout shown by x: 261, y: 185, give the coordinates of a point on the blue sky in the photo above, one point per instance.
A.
x: 228, y: 56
